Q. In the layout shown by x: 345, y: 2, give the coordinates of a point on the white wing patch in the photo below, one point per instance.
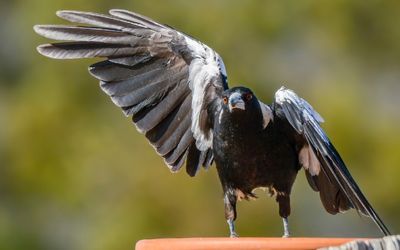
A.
x: 266, y: 113
x: 203, y: 69
x: 307, y: 156
x: 287, y: 95
x: 309, y: 160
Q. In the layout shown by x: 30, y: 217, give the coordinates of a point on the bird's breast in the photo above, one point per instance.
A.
x: 252, y: 158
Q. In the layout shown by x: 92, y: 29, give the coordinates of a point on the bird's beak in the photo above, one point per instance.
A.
x: 236, y: 102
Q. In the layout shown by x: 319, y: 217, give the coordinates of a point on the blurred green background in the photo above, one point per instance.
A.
x: 75, y: 174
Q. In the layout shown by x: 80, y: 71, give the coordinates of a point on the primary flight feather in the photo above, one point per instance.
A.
x: 176, y: 91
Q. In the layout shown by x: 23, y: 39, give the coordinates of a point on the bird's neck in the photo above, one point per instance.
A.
x: 245, y: 122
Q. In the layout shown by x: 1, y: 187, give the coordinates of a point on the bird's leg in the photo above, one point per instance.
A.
x: 283, y: 200
x: 286, y: 233
x: 230, y: 211
x: 231, y: 225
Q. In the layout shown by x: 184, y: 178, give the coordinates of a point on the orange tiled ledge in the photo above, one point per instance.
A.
x: 238, y: 243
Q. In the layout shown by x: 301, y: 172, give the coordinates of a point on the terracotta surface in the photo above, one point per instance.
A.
x: 238, y: 243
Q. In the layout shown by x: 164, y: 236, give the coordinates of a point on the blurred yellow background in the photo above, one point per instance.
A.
x: 75, y: 174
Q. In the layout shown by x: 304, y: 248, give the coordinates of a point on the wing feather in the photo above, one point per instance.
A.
x: 136, y: 18
x: 162, y: 78
x: 166, y: 128
x: 102, y: 21
x: 326, y: 171
x: 75, y: 50
x: 181, y: 148
x: 169, y: 142
x: 86, y: 34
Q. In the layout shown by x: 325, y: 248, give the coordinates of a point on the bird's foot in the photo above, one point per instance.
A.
x: 232, y: 232
x: 234, y: 235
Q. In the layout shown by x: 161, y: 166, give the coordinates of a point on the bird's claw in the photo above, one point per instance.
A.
x: 234, y: 235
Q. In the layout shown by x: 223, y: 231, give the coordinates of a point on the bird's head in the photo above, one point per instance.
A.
x: 239, y: 99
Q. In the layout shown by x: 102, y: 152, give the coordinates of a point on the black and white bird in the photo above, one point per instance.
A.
x: 176, y: 91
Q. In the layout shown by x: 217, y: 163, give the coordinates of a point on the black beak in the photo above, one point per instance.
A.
x: 236, y: 102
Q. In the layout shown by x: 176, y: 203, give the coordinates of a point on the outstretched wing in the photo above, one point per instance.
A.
x: 162, y: 78
x: 325, y: 169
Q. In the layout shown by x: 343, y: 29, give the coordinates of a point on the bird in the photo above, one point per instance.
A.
x: 175, y: 89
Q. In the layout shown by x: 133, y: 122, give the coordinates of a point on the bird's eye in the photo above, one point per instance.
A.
x: 225, y: 99
x: 248, y: 96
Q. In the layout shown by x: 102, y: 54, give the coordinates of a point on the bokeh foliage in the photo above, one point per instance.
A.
x: 75, y: 174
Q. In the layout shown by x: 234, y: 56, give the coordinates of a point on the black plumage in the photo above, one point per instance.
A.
x: 175, y: 88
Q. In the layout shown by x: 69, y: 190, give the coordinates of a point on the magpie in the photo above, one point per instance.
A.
x: 175, y: 89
